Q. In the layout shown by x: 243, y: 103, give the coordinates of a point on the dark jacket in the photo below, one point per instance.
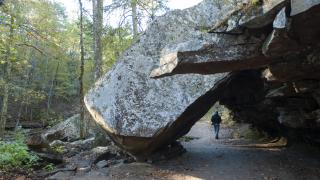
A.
x: 216, y: 119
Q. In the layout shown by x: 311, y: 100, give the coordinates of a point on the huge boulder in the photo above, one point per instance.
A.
x: 142, y: 114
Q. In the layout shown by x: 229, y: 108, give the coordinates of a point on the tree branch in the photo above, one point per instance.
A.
x: 32, y: 46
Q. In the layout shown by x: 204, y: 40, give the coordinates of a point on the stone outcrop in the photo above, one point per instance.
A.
x: 141, y: 113
x: 67, y: 130
x: 222, y: 55
x: 228, y: 51
x: 285, y: 100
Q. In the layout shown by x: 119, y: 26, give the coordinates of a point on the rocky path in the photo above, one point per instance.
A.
x: 207, y: 158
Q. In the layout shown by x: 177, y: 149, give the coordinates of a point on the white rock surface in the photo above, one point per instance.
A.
x: 299, y: 6
x: 281, y: 20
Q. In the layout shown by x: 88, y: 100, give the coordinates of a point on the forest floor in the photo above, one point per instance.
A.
x: 208, y: 158
x: 226, y: 158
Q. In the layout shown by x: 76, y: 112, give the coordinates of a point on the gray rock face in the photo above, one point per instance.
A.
x: 259, y: 16
x: 299, y: 6
x: 249, y: 14
x: 67, y: 130
x: 279, y: 42
x: 209, y: 56
x: 278, y: 36
x: 289, y: 98
x: 222, y: 55
x: 227, y: 52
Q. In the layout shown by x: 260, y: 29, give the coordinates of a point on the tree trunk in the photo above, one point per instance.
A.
x: 16, y: 127
x: 50, y: 93
x: 82, y: 122
x: 4, y: 109
x: 153, y: 9
x: 97, y: 34
x: 134, y: 18
x: 24, y: 98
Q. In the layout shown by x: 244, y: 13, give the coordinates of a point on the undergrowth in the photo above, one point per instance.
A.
x: 15, y: 154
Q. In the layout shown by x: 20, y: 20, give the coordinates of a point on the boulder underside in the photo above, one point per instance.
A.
x: 257, y: 58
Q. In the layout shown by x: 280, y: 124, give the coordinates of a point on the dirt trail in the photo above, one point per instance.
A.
x: 207, y: 158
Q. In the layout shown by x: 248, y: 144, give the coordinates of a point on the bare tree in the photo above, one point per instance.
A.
x: 97, y: 35
x: 138, y: 11
x: 4, y: 109
x: 50, y: 93
x: 134, y: 18
x: 82, y: 123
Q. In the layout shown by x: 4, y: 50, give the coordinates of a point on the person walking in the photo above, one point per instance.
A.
x: 216, y: 120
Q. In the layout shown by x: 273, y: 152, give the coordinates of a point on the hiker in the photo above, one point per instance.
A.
x: 216, y: 120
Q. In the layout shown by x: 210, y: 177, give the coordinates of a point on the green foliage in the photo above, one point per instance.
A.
x: 188, y: 138
x: 116, y: 41
x: 146, y: 9
x: 49, y: 167
x: 45, y: 56
x: 59, y: 149
x: 224, y: 112
x: 19, y: 137
x: 256, y: 2
x: 204, y: 29
x: 254, y: 134
x: 16, y: 155
x: 51, y: 117
x: 251, y: 133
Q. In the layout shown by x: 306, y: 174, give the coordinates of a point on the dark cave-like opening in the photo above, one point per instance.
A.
x: 246, y: 94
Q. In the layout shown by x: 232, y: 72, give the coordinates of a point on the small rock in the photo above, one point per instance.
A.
x: 84, y: 144
x: 67, y: 130
x: 92, y: 157
x: 52, y: 158
x: 57, y: 143
x: 83, y: 170
x: 37, y: 142
x: 102, y: 164
x: 61, y: 176
x: 21, y: 178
